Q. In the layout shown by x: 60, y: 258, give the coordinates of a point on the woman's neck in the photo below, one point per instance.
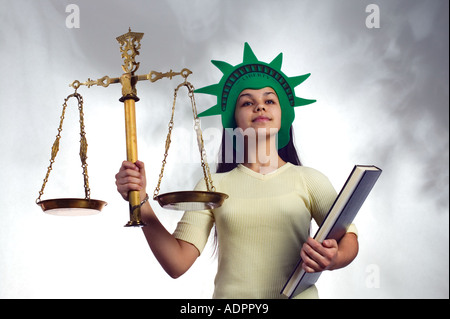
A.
x: 262, y: 156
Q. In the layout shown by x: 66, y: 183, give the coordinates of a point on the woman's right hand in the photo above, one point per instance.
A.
x: 131, y: 177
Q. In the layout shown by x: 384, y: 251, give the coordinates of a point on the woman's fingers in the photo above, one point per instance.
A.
x: 130, y: 178
x: 129, y: 165
x: 317, y: 256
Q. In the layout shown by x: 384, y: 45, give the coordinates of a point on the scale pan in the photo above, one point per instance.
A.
x: 72, y: 206
x: 191, y: 200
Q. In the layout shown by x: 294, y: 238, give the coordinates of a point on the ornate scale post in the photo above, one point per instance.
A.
x: 129, y: 45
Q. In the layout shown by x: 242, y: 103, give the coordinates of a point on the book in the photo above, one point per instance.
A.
x: 341, y: 214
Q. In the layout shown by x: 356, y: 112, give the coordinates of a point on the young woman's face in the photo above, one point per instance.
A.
x: 258, y: 109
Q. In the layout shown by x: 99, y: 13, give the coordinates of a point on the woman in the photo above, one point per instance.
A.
x: 263, y: 227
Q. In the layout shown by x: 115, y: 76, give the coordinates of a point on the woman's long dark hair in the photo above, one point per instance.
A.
x: 287, y: 154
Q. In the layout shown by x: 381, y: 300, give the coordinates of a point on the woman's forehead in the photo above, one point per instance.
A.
x: 264, y: 91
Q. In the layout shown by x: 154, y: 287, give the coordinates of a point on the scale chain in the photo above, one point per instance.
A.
x: 205, y: 167
x: 83, y: 146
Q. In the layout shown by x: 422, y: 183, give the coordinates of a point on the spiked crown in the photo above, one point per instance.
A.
x: 254, y: 74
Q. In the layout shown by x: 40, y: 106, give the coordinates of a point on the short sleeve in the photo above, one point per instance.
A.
x: 195, y: 226
x: 352, y: 229
x: 322, y: 196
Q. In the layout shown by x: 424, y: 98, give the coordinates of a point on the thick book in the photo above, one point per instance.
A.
x: 335, y: 225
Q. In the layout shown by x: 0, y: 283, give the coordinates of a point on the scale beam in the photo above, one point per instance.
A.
x: 152, y: 76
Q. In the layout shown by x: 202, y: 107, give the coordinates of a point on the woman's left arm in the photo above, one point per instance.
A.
x: 329, y: 255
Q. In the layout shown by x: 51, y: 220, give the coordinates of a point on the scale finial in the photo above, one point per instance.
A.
x: 129, y: 47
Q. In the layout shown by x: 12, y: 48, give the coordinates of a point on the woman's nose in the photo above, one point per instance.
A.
x: 259, y: 107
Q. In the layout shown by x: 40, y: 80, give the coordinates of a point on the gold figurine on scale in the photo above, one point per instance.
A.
x: 181, y: 200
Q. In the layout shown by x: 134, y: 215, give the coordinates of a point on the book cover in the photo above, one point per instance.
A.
x: 341, y: 214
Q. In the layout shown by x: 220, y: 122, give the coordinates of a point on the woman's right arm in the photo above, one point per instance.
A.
x: 174, y: 255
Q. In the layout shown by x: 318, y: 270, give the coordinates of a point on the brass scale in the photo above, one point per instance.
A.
x: 181, y: 200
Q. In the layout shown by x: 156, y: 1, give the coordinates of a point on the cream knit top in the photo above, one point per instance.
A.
x: 261, y: 227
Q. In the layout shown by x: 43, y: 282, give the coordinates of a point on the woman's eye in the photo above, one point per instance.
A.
x: 270, y: 102
x: 246, y: 103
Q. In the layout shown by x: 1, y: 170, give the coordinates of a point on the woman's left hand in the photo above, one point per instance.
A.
x: 319, y: 256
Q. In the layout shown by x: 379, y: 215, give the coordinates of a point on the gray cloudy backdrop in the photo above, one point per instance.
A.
x: 383, y: 99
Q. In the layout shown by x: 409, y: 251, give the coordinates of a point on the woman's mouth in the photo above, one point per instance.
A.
x: 261, y: 119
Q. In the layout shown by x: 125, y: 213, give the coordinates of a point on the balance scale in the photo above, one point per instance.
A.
x: 180, y: 200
